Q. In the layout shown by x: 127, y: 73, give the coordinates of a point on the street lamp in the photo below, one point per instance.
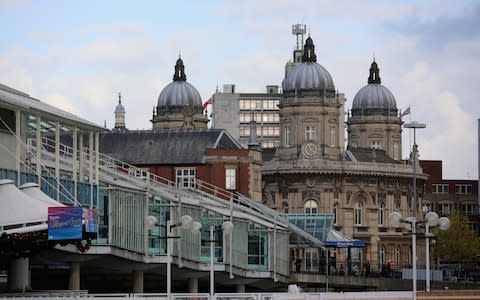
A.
x: 414, y: 125
x: 227, y: 228
x: 186, y: 222
x: 432, y: 220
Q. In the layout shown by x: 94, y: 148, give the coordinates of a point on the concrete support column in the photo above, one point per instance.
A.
x: 38, y: 145
x: 193, y: 285
x: 74, y: 278
x: 137, y: 282
x: 18, y: 275
x: 18, y: 146
x: 57, y: 158
x: 240, y: 288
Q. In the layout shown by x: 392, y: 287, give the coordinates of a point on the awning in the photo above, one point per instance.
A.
x: 336, y: 239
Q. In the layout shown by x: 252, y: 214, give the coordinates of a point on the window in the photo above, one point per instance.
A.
x: 335, y: 214
x: 463, y: 188
x: 397, y: 256
x: 468, y: 209
x: 311, y: 259
x: 439, y: 188
x: 311, y: 207
x: 381, y: 214
x: 230, y: 178
x: 357, y: 213
x: 382, y: 255
x: 445, y: 208
x: 286, y: 137
x: 376, y: 145
x: 396, y: 155
x: 310, y: 133
x: 186, y: 178
x: 354, y: 144
x: 257, y: 246
x: 332, y: 137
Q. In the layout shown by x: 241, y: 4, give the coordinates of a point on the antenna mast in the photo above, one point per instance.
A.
x: 299, y: 30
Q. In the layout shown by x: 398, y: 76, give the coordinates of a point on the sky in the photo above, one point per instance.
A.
x: 78, y: 55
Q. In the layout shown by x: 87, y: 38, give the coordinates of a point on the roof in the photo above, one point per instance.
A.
x: 369, y: 155
x: 17, y: 208
x: 165, y: 146
x: 336, y: 239
x: 21, y: 100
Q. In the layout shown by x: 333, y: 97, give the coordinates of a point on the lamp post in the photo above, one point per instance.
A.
x: 227, y: 228
x: 414, y: 126
x: 186, y: 223
x: 432, y: 220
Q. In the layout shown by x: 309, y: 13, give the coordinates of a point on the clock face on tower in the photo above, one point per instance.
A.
x: 310, y: 150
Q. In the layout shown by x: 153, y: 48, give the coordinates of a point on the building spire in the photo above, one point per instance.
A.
x: 309, y: 51
x: 179, y: 70
x: 119, y: 98
x: 374, y: 73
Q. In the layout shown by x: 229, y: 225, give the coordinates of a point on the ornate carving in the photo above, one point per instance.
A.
x: 310, y: 194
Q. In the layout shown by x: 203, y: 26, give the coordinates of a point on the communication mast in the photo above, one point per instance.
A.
x: 299, y: 30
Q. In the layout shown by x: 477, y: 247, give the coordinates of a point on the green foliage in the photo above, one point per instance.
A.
x: 457, y: 244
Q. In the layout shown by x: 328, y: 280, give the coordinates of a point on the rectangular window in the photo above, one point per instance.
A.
x: 376, y: 145
x: 309, y: 133
x: 257, y: 248
x: 286, y: 137
x: 332, y: 137
x: 396, y: 155
x: 186, y: 178
x: 439, y: 188
x: 230, y: 178
x: 468, y: 209
x: 463, y: 189
x: 445, y: 208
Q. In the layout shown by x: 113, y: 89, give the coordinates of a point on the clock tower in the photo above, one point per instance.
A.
x: 311, y: 112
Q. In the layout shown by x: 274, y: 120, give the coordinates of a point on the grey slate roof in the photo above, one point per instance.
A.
x: 371, y: 155
x: 166, y: 146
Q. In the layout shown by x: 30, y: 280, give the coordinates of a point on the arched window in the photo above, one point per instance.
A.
x: 357, y: 213
x: 381, y: 213
x: 311, y: 207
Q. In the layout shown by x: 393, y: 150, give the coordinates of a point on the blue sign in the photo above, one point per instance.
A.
x: 345, y: 244
x: 65, y: 223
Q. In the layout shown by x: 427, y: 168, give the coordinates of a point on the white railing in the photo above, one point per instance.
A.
x: 117, y: 169
x: 224, y: 296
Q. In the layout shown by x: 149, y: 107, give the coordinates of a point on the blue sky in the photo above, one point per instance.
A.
x: 79, y: 55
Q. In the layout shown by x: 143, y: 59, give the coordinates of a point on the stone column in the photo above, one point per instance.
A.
x: 240, y: 288
x: 137, y: 282
x: 193, y: 285
x: 74, y: 278
x: 18, y: 275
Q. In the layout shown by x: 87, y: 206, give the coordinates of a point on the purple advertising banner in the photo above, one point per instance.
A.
x: 90, y: 217
x: 65, y: 223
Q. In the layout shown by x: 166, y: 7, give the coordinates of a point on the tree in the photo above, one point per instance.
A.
x: 457, y: 244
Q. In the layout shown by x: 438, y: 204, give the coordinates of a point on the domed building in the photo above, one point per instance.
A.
x: 179, y: 104
x: 119, y: 115
x: 374, y: 121
x: 311, y: 113
x: 312, y: 176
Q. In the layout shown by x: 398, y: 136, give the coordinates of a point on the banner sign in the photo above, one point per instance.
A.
x: 345, y: 244
x: 90, y: 217
x: 65, y: 223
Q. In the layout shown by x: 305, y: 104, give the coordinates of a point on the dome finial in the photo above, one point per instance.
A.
x: 374, y: 73
x: 179, y: 53
x: 179, y: 70
x: 119, y: 98
x: 309, y: 51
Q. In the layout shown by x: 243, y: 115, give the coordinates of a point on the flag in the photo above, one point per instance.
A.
x: 405, y: 112
x: 209, y: 101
